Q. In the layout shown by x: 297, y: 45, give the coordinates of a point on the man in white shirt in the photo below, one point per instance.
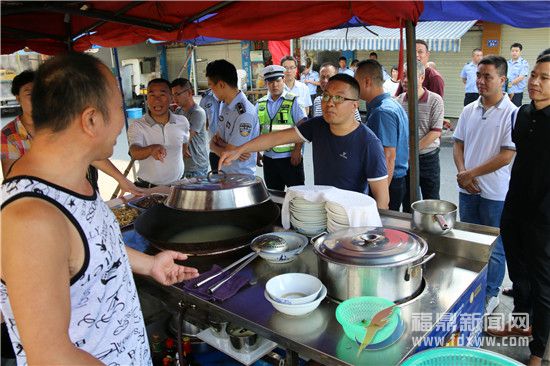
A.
x: 294, y: 86
x: 483, y: 150
x: 159, y: 139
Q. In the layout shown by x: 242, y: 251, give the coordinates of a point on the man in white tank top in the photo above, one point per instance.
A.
x: 67, y: 292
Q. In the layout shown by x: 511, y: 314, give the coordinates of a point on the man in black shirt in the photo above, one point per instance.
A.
x: 525, y: 224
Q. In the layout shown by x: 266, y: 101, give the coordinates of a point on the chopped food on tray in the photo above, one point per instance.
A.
x: 125, y: 215
x: 149, y: 201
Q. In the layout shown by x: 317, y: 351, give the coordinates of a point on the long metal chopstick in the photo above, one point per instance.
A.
x: 237, y: 262
x: 244, y: 264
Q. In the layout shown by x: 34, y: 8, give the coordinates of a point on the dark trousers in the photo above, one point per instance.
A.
x: 279, y: 173
x: 517, y: 98
x: 214, y: 160
x: 470, y: 97
x: 429, y: 179
x: 527, y: 249
x: 397, y: 193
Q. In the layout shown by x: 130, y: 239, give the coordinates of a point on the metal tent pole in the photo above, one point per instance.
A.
x: 412, y: 94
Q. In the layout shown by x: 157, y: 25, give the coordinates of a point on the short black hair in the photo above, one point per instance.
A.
x: 350, y: 80
x: 373, y: 54
x: 421, y: 41
x: 222, y: 70
x: 373, y: 69
x: 543, y: 58
x: 342, y: 58
x: 499, y: 62
x: 476, y: 50
x: 308, y: 62
x: 158, y: 81
x: 64, y: 86
x: 23, y: 78
x: 184, y: 83
x: 354, y: 62
x: 518, y: 45
x: 289, y: 58
x: 543, y: 53
x: 394, y: 67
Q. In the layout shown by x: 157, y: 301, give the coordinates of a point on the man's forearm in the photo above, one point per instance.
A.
x: 458, y: 156
x: 380, y: 192
x: 140, y: 153
x: 267, y: 141
x: 503, y: 158
x: 215, y: 148
x: 107, y: 167
x: 428, y: 139
x: 141, y: 263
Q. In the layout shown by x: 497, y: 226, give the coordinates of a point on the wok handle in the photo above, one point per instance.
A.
x: 244, y: 264
x: 314, y: 239
x: 425, y: 259
x: 199, y: 284
x: 442, y: 222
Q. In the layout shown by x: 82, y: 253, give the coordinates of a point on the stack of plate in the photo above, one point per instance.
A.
x: 337, y: 218
x: 307, y: 217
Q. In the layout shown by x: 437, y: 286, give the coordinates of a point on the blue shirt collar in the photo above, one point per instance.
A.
x: 377, y: 100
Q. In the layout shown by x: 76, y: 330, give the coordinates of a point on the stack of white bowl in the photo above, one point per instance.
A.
x: 337, y: 218
x: 307, y: 217
x: 295, y: 293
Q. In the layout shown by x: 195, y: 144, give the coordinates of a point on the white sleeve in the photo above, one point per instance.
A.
x: 135, y: 135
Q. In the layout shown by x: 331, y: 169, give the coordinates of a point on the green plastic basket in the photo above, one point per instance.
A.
x: 356, y: 313
x: 459, y: 356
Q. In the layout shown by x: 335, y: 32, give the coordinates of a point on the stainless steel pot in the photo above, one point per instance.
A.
x: 434, y: 216
x: 241, y: 339
x: 371, y: 261
x: 217, y: 192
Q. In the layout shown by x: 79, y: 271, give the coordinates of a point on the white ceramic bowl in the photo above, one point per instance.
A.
x: 296, y: 244
x: 298, y: 310
x: 294, y: 288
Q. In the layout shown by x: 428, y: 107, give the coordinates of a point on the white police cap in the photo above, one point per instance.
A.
x: 273, y: 72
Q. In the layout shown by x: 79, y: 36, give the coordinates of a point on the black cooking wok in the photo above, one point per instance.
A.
x: 160, y: 223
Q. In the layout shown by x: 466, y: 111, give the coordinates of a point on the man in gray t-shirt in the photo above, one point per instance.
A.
x: 196, y: 156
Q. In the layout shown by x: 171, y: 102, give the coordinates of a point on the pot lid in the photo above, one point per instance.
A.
x: 214, y: 182
x: 371, y: 246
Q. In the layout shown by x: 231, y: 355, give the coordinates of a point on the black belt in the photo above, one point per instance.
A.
x: 144, y: 184
x: 430, y: 153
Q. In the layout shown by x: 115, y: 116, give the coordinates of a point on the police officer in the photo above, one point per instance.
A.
x: 518, y: 71
x: 279, y: 110
x: 237, y: 120
x: 211, y: 106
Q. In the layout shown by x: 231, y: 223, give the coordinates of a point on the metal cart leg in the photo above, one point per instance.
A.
x: 291, y: 358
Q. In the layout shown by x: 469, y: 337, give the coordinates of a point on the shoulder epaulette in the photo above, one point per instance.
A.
x: 240, y: 108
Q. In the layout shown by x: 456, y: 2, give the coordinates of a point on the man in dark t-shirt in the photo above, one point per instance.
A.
x: 346, y: 153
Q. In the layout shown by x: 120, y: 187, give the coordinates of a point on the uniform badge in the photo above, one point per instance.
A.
x: 220, y: 118
x: 245, y: 129
x: 228, y: 125
x: 261, y: 107
x: 240, y: 108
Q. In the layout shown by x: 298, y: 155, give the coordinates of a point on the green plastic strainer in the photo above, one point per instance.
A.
x: 459, y: 356
x: 356, y: 313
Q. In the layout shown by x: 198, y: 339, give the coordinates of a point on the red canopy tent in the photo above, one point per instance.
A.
x: 52, y: 27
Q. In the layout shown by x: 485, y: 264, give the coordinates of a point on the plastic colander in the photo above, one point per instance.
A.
x: 459, y: 356
x: 356, y: 313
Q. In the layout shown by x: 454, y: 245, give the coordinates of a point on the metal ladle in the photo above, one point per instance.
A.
x: 266, y: 243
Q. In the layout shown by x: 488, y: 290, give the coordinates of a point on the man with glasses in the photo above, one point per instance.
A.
x: 327, y: 71
x: 389, y: 122
x: 159, y: 139
x: 196, y: 156
x: 237, y: 120
x: 279, y: 110
x: 346, y: 153
x: 294, y: 86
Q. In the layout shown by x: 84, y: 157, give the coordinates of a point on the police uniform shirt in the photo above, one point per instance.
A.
x: 515, y: 69
x: 469, y: 72
x: 211, y: 106
x: 272, y: 108
x: 237, y: 124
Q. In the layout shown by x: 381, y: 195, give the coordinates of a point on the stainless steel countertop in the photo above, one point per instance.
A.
x: 460, y: 257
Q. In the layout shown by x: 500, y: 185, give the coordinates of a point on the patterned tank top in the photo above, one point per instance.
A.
x: 106, y: 318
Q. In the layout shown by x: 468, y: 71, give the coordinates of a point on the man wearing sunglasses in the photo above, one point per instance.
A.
x: 196, y: 155
x: 346, y: 153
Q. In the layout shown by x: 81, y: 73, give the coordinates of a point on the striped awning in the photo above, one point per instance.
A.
x: 441, y: 37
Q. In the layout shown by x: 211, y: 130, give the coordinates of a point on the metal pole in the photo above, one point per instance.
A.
x: 291, y: 47
x: 194, y: 70
x: 412, y: 94
x: 114, y: 52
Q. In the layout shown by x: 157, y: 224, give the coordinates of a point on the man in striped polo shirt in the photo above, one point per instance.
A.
x: 430, y: 123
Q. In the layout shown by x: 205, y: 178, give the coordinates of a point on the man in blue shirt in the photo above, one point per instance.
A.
x: 211, y: 106
x: 346, y: 153
x: 344, y: 69
x: 280, y: 110
x: 237, y: 121
x: 389, y: 122
x: 469, y: 76
x: 310, y: 77
x: 518, y: 70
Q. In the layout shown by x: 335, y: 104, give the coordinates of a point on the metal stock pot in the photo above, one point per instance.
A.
x: 434, y: 216
x: 371, y: 261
